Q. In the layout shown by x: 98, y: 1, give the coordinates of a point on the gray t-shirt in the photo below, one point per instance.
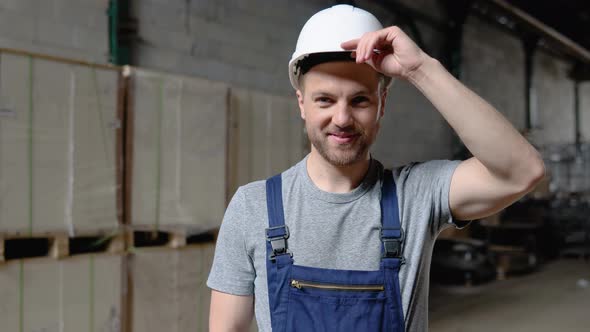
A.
x: 336, y: 231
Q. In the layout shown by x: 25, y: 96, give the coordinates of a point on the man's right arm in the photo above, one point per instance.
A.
x: 232, y: 273
x: 230, y: 312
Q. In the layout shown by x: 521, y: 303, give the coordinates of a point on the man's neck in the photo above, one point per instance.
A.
x: 336, y: 179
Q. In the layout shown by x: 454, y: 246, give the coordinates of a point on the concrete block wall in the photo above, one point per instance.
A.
x: 554, y: 101
x: 70, y: 28
x: 493, y: 67
x: 412, y: 129
x: 247, y: 43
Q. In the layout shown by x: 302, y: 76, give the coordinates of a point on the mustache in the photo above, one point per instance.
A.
x: 350, y: 130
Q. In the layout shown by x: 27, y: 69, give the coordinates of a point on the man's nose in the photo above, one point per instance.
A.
x: 342, y: 115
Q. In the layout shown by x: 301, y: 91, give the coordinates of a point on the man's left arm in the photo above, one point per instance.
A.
x: 505, y: 166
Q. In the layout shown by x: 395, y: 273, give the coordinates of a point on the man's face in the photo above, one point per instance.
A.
x: 340, y: 103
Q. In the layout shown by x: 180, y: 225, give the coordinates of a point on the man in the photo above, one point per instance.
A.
x: 336, y: 242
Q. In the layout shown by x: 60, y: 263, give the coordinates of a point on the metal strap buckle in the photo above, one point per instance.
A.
x: 278, y: 243
x: 392, y: 247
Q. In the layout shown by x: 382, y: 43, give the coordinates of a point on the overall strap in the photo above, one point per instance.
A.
x: 279, y: 261
x: 277, y: 232
x: 392, y: 234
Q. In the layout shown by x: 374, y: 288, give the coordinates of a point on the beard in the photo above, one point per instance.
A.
x: 342, y: 154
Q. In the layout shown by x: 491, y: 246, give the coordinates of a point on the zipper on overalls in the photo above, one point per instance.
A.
x: 305, y: 284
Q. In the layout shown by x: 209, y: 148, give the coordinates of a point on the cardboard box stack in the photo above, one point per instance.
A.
x: 179, y: 139
x: 76, y: 294
x: 57, y: 146
x: 266, y: 136
x: 93, y: 155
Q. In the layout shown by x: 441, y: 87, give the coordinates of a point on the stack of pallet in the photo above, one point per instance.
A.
x: 193, y: 143
x: 113, y: 183
x: 60, y: 242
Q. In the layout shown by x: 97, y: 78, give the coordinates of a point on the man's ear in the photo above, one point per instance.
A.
x: 382, y: 104
x: 300, y: 103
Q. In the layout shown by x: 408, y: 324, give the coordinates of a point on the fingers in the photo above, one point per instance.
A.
x: 356, y: 48
x: 365, y: 46
x: 350, y: 45
x: 362, y: 47
x: 368, y: 43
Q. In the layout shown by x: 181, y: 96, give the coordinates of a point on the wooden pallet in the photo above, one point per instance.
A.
x: 172, y: 237
x: 58, y: 245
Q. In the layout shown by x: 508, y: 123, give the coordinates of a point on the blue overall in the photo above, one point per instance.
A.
x: 304, y: 298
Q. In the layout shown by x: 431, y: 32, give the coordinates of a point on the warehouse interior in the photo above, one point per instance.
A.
x: 127, y: 126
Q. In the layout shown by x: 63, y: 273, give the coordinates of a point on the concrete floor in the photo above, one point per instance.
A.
x: 551, y: 299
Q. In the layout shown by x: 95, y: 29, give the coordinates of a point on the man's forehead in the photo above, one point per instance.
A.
x: 341, y: 74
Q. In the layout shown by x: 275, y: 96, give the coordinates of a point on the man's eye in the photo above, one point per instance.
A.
x: 323, y: 100
x: 360, y: 101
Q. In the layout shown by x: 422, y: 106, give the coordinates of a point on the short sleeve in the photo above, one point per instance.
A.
x: 429, y: 184
x: 232, y: 271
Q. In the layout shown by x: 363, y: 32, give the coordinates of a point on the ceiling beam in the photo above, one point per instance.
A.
x: 551, y: 35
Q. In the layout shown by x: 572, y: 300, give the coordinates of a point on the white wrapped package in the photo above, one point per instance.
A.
x: 57, y: 146
x: 179, y: 151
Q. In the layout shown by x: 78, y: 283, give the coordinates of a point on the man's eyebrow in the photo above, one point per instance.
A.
x: 327, y: 94
x: 362, y: 92
x: 321, y: 94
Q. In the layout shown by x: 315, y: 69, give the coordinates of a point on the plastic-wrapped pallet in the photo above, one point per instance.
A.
x: 58, y: 124
x: 267, y: 136
x: 76, y: 294
x: 179, y: 151
x: 169, y: 290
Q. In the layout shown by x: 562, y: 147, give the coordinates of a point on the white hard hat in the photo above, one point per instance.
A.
x: 326, y: 30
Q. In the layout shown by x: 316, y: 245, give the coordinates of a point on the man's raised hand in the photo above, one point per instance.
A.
x: 389, y: 51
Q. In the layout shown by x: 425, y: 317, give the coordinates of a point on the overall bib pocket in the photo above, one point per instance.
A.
x: 321, y: 306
